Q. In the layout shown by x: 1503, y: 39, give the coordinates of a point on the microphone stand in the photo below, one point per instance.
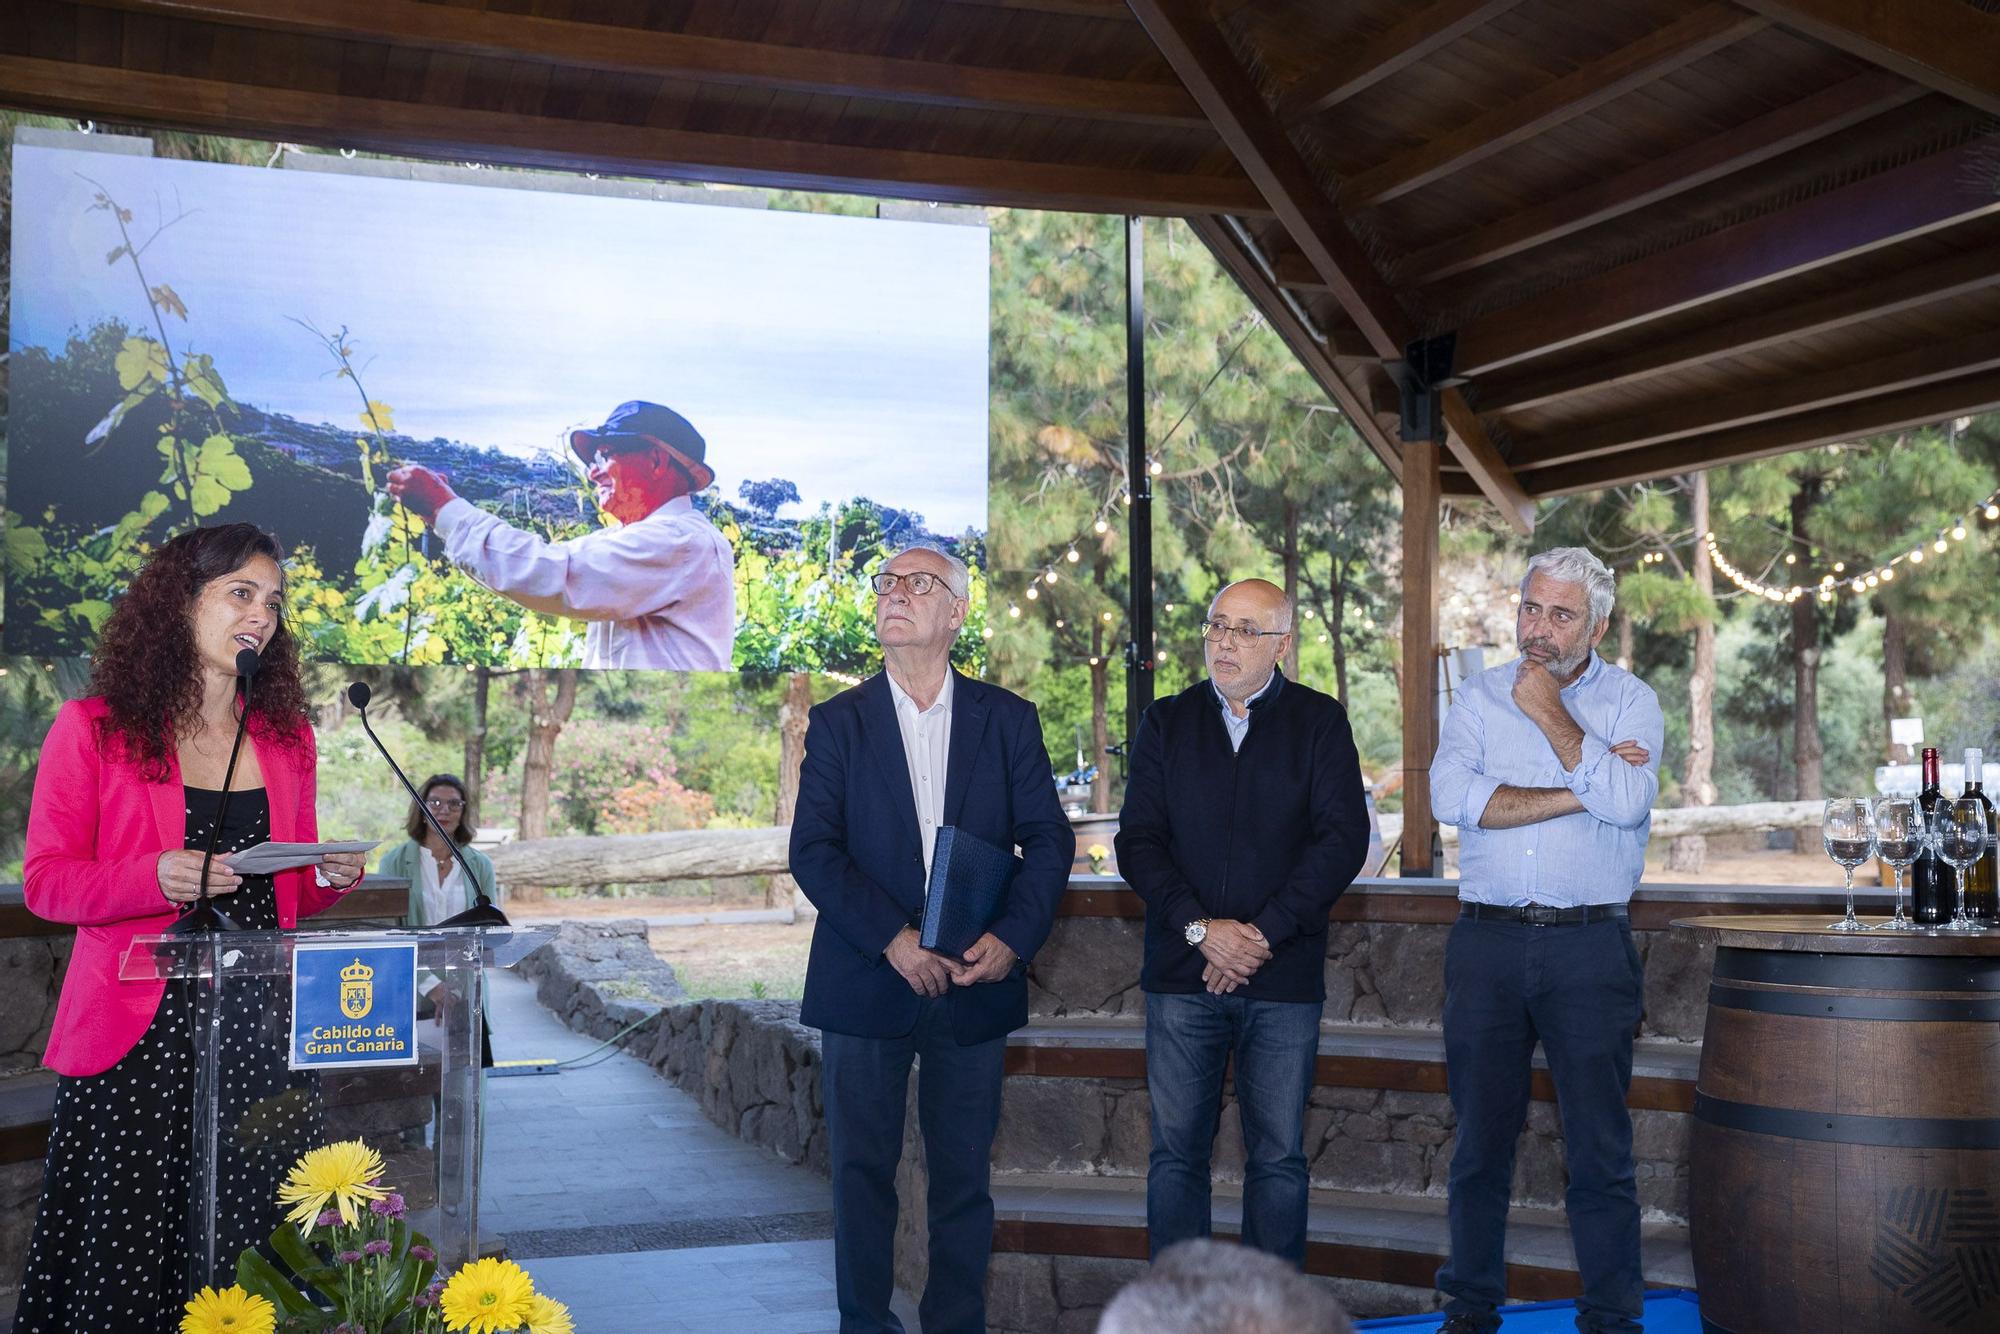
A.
x: 483, y: 912
x: 204, y: 916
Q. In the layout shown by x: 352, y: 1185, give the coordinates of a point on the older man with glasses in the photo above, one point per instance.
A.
x: 909, y: 751
x: 1244, y: 820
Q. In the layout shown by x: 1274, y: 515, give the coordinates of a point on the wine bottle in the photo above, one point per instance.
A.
x: 1933, y: 888
x: 1982, y: 878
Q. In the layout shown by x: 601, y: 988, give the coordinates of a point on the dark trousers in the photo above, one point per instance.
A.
x: 1578, y: 990
x: 864, y: 1085
x: 1189, y: 1039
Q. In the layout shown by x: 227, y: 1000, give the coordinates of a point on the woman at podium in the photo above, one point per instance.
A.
x: 438, y: 887
x: 131, y: 822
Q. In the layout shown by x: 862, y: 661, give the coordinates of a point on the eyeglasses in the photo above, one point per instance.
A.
x: 919, y: 582
x: 445, y: 803
x: 1216, y: 632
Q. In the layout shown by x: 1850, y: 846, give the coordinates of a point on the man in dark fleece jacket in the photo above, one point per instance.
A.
x: 1243, y: 822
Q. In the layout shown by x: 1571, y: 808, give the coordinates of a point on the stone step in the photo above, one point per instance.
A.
x: 1385, y: 1239
x: 1409, y: 1060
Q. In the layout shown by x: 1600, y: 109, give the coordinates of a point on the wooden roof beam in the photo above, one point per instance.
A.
x: 1769, y: 136
x: 1921, y: 406
x: 1783, y: 396
x: 1946, y: 45
x: 1189, y: 41
x: 1971, y: 270
x: 422, y: 130
x: 610, y: 48
x: 1318, y: 359
x: 1474, y: 450
x: 1369, y: 62
x: 1658, y: 53
x: 1936, y: 191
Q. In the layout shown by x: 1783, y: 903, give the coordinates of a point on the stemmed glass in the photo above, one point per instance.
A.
x: 1960, y: 831
x: 1848, y: 830
x: 1901, y: 835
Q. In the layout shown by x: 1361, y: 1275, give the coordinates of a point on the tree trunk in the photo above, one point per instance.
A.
x: 1292, y: 584
x: 605, y: 859
x: 1336, y: 625
x: 1624, y: 639
x: 1896, y: 699
x: 791, y: 754
x: 1100, y: 727
x: 1807, y: 752
x: 1687, y: 854
x: 546, y: 717
x: 475, y: 742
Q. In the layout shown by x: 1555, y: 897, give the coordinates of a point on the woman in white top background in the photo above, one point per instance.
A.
x: 437, y: 882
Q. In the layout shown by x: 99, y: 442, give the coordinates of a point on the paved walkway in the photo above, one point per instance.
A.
x: 629, y: 1205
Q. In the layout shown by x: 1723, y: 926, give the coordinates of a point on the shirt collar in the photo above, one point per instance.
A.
x: 1592, y: 667
x: 1268, y: 692
x: 904, y: 701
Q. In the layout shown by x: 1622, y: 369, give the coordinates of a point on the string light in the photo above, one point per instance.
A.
x: 1100, y: 527
x: 1033, y: 592
x: 1830, y: 584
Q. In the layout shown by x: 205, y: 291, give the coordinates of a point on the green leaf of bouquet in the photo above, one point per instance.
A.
x: 292, y: 1249
x: 257, y: 1275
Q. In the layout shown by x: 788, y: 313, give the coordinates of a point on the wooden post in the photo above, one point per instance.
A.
x: 1420, y: 557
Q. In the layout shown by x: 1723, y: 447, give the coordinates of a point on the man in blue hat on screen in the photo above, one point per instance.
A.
x: 658, y: 589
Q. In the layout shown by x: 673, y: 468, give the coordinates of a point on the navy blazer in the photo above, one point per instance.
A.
x: 858, y: 855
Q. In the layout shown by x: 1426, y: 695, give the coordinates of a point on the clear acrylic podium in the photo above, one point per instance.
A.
x: 254, y: 1116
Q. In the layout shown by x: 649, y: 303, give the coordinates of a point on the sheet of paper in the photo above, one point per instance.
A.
x: 266, y: 858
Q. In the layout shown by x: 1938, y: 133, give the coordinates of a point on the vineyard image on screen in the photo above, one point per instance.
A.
x: 492, y: 418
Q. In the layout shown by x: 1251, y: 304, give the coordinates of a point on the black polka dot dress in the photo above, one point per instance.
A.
x: 112, y: 1239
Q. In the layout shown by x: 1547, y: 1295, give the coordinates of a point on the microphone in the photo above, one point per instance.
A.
x: 483, y: 912
x: 204, y: 916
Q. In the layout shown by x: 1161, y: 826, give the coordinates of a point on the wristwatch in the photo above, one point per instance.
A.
x: 1197, y: 931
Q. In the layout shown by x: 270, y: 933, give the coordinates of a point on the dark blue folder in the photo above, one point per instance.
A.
x: 969, y: 879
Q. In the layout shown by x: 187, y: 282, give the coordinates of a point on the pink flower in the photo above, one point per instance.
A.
x: 390, y: 1206
x: 377, y: 1248
x: 328, y: 1218
x: 422, y: 1252
x: 349, y: 1257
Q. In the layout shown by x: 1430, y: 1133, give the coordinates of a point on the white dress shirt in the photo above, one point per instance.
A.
x: 657, y: 593
x: 927, y: 751
x: 442, y: 898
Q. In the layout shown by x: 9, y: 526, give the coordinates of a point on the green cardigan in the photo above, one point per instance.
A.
x: 402, y: 860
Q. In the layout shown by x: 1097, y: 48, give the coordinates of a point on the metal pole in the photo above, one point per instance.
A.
x: 1139, y: 517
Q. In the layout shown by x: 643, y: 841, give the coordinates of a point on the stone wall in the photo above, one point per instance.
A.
x: 752, y: 1066
x: 31, y: 973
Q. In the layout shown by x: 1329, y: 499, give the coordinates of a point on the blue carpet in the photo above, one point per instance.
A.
x: 1669, y: 1312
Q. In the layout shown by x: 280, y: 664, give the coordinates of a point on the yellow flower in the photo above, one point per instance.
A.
x: 488, y: 1297
x: 1097, y: 850
x: 231, y: 1311
x: 546, y: 1315
x: 341, y: 1174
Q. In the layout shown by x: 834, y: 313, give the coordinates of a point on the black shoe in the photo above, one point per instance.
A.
x: 1465, y: 1324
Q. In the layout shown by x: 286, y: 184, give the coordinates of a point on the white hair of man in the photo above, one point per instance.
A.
x: 1210, y: 1287
x: 1575, y: 565
x: 959, y: 580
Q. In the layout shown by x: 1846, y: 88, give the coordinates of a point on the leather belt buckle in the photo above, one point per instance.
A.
x: 1539, y: 914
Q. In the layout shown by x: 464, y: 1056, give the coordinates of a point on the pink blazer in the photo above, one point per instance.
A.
x: 96, y: 830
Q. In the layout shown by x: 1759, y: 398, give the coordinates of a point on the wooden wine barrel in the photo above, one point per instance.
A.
x: 1846, y: 1153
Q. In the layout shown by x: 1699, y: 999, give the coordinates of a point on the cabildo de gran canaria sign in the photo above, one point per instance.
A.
x: 354, y: 1005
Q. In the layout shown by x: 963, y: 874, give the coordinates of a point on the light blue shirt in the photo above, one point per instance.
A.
x: 1595, y: 855
x: 1239, y: 728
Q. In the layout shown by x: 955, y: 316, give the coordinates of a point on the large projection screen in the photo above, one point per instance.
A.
x: 195, y: 343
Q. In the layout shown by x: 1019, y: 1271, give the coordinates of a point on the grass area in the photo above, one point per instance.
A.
x: 762, y: 961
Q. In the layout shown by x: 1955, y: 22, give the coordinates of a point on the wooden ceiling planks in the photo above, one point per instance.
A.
x: 1661, y: 231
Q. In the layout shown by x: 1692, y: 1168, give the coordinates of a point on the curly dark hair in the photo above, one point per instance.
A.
x: 418, y: 826
x: 146, y: 668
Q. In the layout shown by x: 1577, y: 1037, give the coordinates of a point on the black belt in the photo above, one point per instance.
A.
x: 1541, y: 914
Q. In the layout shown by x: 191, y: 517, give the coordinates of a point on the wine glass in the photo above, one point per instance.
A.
x: 1960, y: 834
x: 1848, y: 830
x: 1901, y: 835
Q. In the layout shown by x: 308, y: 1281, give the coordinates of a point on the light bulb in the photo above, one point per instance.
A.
x: 1156, y: 468
x: 1887, y: 574
x: 1107, y: 617
x: 1993, y: 511
x: 1033, y: 592
x: 1101, y: 526
x: 1939, y: 546
x: 1014, y: 610
x: 1917, y: 556
x: 1958, y: 532
x: 1840, y: 567
x: 1074, y: 556
x: 1791, y: 559
x: 1049, y: 578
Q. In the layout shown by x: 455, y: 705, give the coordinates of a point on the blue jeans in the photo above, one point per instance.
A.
x: 1190, y: 1037
x: 1578, y: 990
x: 864, y: 1086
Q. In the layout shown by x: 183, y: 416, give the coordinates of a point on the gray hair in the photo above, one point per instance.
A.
x: 959, y: 580
x: 1209, y: 1287
x: 1575, y: 565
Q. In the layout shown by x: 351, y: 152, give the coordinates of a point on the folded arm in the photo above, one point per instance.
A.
x: 1619, y: 783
